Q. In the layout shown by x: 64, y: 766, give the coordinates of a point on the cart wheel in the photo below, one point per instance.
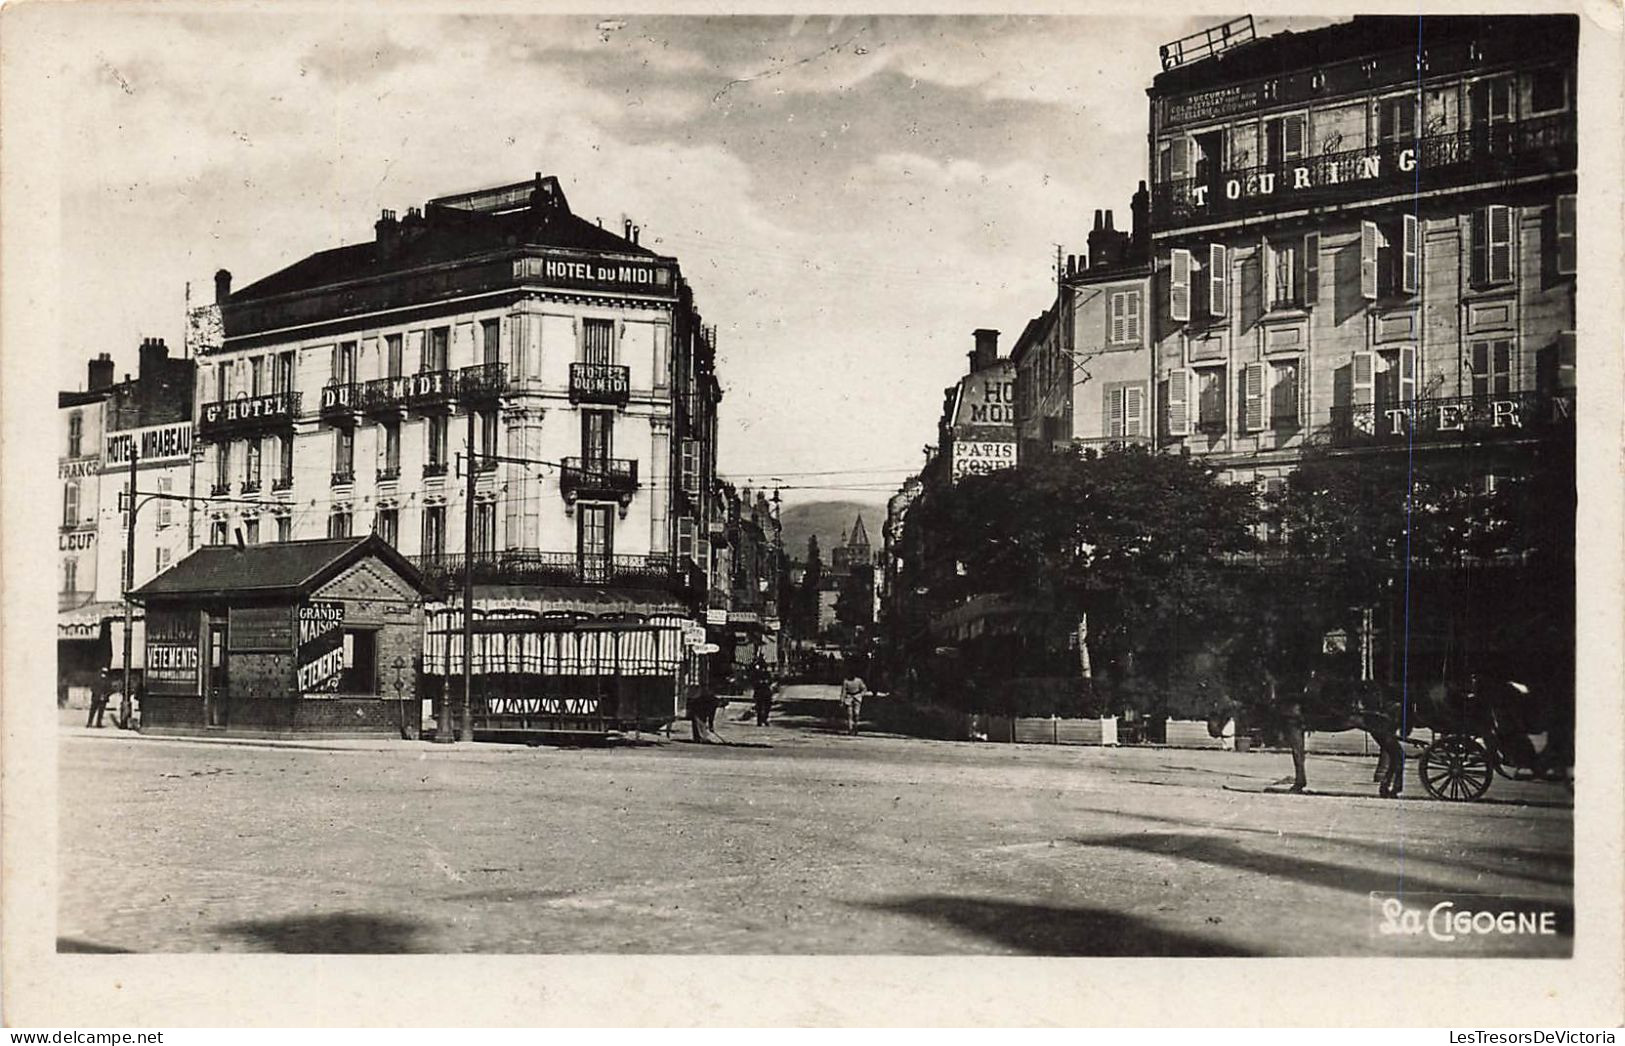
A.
x: 1455, y: 768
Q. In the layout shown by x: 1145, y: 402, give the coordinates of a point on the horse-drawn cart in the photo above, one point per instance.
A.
x: 1500, y: 728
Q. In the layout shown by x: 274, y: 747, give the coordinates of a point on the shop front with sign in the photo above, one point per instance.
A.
x: 301, y: 637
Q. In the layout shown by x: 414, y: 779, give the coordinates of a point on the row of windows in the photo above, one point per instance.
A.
x: 1394, y: 119
x: 249, y: 375
x: 1270, y: 393
x: 1390, y: 262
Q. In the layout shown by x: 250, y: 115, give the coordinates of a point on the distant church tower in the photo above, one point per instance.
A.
x: 853, y: 551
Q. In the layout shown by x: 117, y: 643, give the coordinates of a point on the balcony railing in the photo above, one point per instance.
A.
x: 600, y: 383
x: 388, y: 473
x: 219, y: 489
x: 1109, y: 442
x: 251, y: 486
x: 424, y: 390
x: 602, y: 478
x: 282, y: 483
x: 1481, y: 154
x: 1507, y: 415
x: 434, y: 468
x: 247, y: 415
x: 343, y: 477
x: 482, y: 382
x: 341, y: 401
x: 517, y: 567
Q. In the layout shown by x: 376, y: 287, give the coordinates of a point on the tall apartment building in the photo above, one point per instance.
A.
x: 1364, y: 246
x: 568, y: 358
x: 147, y: 418
x: 1083, y: 368
x: 1364, y: 238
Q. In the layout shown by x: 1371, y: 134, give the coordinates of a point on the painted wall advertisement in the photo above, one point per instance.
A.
x: 978, y: 457
x: 988, y: 398
x: 172, y: 651
x: 320, y: 660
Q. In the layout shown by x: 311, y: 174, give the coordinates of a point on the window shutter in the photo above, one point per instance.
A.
x: 1566, y: 242
x: 1131, y: 324
x: 1179, y: 285
x: 1410, y: 257
x: 1134, y: 411
x: 1266, y: 285
x: 1253, y: 397
x: 1407, y: 374
x: 1179, y: 152
x: 1218, y: 276
x: 1311, y: 268
x: 1503, y: 367
x: 1116, y: 322
x: 1179, y: 402
x: 1480, y: 235
x: 1368, y: 260
x: 1114, y: 411
x: 1480, y: 366
x: 1364, y: 378
x: 1500, y: 221
x: 1292, y: 137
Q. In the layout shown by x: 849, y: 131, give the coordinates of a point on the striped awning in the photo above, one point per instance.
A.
x: 88, y: 621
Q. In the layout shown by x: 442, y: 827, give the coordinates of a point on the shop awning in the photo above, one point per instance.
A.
x: 575, y: 600
x: 87, y: 621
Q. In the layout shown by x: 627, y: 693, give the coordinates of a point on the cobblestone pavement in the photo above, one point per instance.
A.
x: 793, y: 839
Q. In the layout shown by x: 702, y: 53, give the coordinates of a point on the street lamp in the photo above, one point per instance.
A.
x: 400, y: 685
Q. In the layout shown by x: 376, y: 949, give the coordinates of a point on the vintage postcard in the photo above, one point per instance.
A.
x: 559, y: 504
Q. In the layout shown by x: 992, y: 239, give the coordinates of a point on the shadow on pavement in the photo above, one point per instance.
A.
x: 1223, y: 853
x: 67, y: 945
x: 1039, y: 929
x: 341, y: 933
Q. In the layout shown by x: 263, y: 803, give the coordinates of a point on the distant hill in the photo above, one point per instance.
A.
x: 829, y: 520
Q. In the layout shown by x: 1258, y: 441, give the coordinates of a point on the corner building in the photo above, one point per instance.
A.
x: 1364, y: 237
x: 570, y: 357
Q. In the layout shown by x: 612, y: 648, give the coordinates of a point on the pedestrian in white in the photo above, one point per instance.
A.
x: 853, y: 689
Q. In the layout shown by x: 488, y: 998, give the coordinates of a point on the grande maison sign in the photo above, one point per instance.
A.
x: 1312, y: 174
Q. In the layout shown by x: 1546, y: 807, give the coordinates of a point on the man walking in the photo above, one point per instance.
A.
x: 852, y: 690
x: 761, y: 681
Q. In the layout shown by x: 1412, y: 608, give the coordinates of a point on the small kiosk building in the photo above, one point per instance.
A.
x: 306, y: 637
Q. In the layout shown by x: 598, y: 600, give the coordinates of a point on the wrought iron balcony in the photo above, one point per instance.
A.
x: 341, y: 401
x: 600, y: 383
x: 1495, y: 416
x: 219, y: 489
x: 434, y: 468
x: 599, y: 478
x: 343, y: 477
x: 1108, y: 442
x: 1482, y: 154
x: 282, y: 483
x: 482, y: 383
x: 426, y: 390
x: 522, y: 567
x: 251, y: 486
x: 388, y: 473
x: 247, y: 416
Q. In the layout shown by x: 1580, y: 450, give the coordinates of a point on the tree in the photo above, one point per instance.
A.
x: 811, y: 579
x: 1137, y: 542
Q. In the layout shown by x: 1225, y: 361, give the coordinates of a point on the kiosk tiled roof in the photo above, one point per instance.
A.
x: 285, y: 568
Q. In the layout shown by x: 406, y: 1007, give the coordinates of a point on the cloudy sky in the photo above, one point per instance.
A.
x: 850, y: 197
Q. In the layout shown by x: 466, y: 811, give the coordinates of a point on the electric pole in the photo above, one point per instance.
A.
x: 124, y: 708
x: 465, y: 730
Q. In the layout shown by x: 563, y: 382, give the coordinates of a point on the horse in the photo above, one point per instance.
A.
x: 1330, y: 707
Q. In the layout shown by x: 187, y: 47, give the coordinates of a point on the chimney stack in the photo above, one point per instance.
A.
x: 388, y: 231
x: 1140, y: 227
x: 987, y: 349
x: 1097, y: 218
x: 153, y: 353
x: 101, y: 373
x: 636, y: 229
x: 1109, y: 221
x: 222, y: 286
